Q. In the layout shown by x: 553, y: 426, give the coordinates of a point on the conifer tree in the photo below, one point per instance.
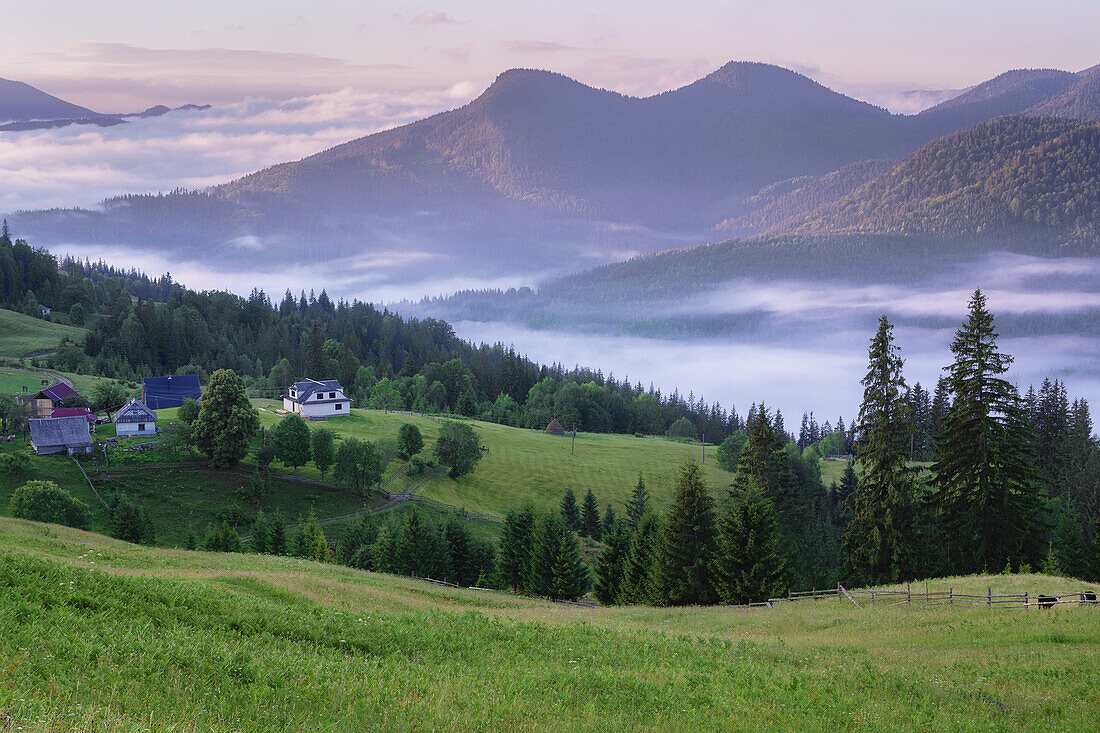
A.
x: 549, y: 533
x: 612, y: 563
x: 570, y: 514
x: 1068, y: 544
x: 607, y: 524
x: 844, y: 493
x: 590, y: 517
x: 688, y: 547
x: 874, y: 543
x: 310, y: 541
x: 276, y: 535
x: 639, y: 502
x: 750, y: 565
x: 514, y: 560
x: 640, y: 582
x: 385, y: 551
x: 460, y: 546
x: 569, y: 576
x: 415, y: 547
x: 986, y: 482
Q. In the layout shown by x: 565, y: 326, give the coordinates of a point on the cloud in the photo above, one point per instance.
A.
x: 538, y: 46
x: 81, y: 165
x: 434, y: 17
x: 119, y: 77
x: 641, y: 75
x: 458, y: 54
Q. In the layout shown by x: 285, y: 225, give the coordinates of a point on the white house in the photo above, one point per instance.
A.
x: 312, y: 399
x: 134, y: 419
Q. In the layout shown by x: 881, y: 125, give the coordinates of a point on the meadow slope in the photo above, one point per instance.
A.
x: 100, y: 635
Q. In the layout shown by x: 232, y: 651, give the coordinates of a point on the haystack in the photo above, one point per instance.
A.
x: 555, y: 428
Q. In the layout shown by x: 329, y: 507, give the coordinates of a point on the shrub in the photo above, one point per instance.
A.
x: 45, y: 501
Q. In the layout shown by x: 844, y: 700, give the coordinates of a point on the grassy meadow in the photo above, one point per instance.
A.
x: 20, y: 334
x: 103, y: 635
x: 528, y: 465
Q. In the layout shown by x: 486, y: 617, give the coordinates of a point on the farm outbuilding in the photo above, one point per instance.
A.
x: 49, y: 399
x: 134, y: 419
x: 57, y: 434
x: 555, y: 428
x: 163, y: 392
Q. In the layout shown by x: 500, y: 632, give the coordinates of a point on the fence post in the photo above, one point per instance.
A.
x: 872, y: 599
x: 1025, y: 598
x: 951, y: 596
x: 908, y: 595
x: 989, y: 597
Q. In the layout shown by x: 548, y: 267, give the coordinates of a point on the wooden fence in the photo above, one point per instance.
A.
x: 909, y: 596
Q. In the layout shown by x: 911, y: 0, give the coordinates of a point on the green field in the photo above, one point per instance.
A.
x: 13, y: 381
x: 527, y: 465
x: 20, y: 334
x: 102, y: 635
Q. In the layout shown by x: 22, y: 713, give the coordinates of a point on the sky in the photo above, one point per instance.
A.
x: 126, y: 55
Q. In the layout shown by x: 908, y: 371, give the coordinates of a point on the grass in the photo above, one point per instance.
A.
x: 20, y: 334
x: 527, y: 465
x: 13, y: 382
x: 100, y: 635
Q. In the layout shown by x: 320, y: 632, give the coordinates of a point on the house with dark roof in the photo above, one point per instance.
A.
x: 48, y: 399
x: 83, y: 412
x: 134, y: 419
x: 60, y: 434
x: 159, y: 393
x: 313, y: 399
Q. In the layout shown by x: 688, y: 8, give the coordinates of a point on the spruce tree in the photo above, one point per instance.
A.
x: 460, y: 546
x: 611, y: 563
x: 310, y: 541
x: 550, y: 531
x: 849, y: 484
x: 569, y: 574
x: 514, y: 560
x: 276, y: 535
x: 986, y: 482
x: 639, y: 502
x: 385, y: 551
x: 875, y: 541
x: 750, y: 565
x: 590, y: 517
x: 640, y: 584
x: 688, y: 547
x: 570, y: 514
x: 607, y: 524
x: 1068, y: 544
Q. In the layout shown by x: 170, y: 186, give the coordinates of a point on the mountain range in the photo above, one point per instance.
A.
x: 23, y: 107
x: 540, y: 171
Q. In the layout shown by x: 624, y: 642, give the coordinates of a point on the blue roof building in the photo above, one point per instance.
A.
x: 161, y: 392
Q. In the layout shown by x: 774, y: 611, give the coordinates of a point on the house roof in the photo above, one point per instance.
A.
x: 83, y: 412
x: 307, y: 387
x: 134, y: 411
x: 171, y: 391
x: 56, y: 392
x: 71, y: 432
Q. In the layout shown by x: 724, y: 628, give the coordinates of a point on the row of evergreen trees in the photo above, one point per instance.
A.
x: 998, y: 495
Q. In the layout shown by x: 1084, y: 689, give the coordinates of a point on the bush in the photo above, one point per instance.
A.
x: 682, y: 428
x: 221, y: 537
x: 409, y: 440
x: 45, y: 501
x: 416, y: 466
x: 458, y: 448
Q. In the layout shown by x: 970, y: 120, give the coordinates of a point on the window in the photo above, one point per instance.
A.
x: 339, y: 405
x: 332, y: 395
x: 141, y: 426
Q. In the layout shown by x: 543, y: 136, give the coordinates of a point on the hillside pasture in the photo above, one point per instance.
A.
x: 531, y: 466
x: 20, y: 334
x: 100, y: 634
